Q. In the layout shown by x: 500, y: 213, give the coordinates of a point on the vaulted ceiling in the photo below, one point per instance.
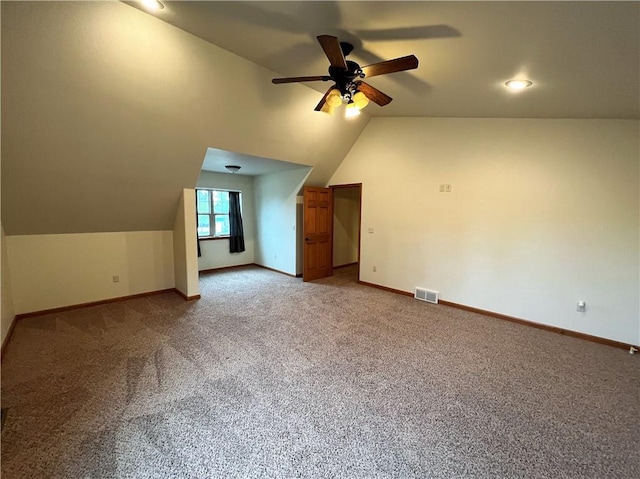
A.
x: 583, y: 57
x: 108, y: 111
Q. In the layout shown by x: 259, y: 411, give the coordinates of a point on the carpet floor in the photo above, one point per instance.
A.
x: 270, y: 377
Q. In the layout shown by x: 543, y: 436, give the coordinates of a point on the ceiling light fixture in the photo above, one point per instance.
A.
x: 361, y: 100
x: 152, y: 5
x: 232, y: 168
x: 518, y: 85
x: 355, y: 100
x: 334, y: 98
x: 327, y: 108
x: 351, y: 110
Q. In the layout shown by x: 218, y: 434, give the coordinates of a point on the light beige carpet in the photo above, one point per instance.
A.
x: 267, y: 376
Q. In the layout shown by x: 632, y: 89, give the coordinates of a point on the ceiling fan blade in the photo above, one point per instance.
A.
x: 391, y: 66
x: 324, y: 99
x: 374, y: 94
x: 300, y: 79
x: 331, y: 47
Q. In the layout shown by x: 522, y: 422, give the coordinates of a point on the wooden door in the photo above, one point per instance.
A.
x: 318, y: 233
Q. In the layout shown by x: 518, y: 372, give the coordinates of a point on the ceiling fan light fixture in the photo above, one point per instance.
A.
x: 346, y: 76
x: 361, y: 100
x: 334, y: 98
x: 328, y: 108
x: 351, y: 110
x: 518, y: 85
x: 232, y: 168
x: 152, y: 5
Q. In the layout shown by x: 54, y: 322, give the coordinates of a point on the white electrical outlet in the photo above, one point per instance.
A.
x: 447, y: 188
x: 581, y: 307
x: 375, y: 269
x: 116, y: 278
x: 370, y: 229
x: 441, y: 188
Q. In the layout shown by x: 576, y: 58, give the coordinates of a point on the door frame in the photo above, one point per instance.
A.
x: 348, y: 185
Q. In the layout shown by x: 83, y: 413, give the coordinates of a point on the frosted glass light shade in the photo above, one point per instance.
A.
x: 360, y: 100
x: 327, y: 108
x: 334, y: 98
x: 351, y: 110
x: 518, y: 84
x: 152, y: 5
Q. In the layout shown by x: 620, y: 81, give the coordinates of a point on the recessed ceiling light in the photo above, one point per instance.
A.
x: 518, y: 84
x: 152, y: 5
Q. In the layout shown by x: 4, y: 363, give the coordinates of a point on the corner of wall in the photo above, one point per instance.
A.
x: 185, y: 250
x: 6, y: 297
x: 276, y: 219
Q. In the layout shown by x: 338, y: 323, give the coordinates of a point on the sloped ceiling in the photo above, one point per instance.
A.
x: 583, y: 57
x: 107, y: 114
x: 217, y: 160
x: 108, y: 111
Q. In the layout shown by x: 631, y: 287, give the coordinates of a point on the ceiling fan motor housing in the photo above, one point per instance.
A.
x: 345, y: 78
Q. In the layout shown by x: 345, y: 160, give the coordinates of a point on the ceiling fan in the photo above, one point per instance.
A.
x: 347, y: 77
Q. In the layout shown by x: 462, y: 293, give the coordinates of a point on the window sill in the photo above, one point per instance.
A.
x: 212, y: 238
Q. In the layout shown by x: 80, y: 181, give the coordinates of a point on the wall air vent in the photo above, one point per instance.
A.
x: 426, y: 295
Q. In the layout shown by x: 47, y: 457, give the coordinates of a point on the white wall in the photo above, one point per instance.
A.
x: 346, y: 224
x: 51, y: 271
x: 215, y: 253
x: 542, y: 213
x: 6, y: 298
x: 185, y: 248
x: 276, y: 219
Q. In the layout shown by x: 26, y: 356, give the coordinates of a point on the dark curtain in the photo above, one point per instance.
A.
x: 197, y: 237
x: 236, y: 233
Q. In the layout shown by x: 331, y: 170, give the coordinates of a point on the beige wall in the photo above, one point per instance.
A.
x: 50, y: 271
x: 277, y: 229
x: 6, y: 292
x: 185, y: 249
x: 215, y: 253
x: 346, y: 223
x: 542, y: 213
x: 107, y: 113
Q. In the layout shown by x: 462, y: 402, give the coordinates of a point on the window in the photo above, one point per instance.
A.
x: 213, y: 213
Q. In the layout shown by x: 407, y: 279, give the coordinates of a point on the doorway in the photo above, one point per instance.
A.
x: 347, y: 213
